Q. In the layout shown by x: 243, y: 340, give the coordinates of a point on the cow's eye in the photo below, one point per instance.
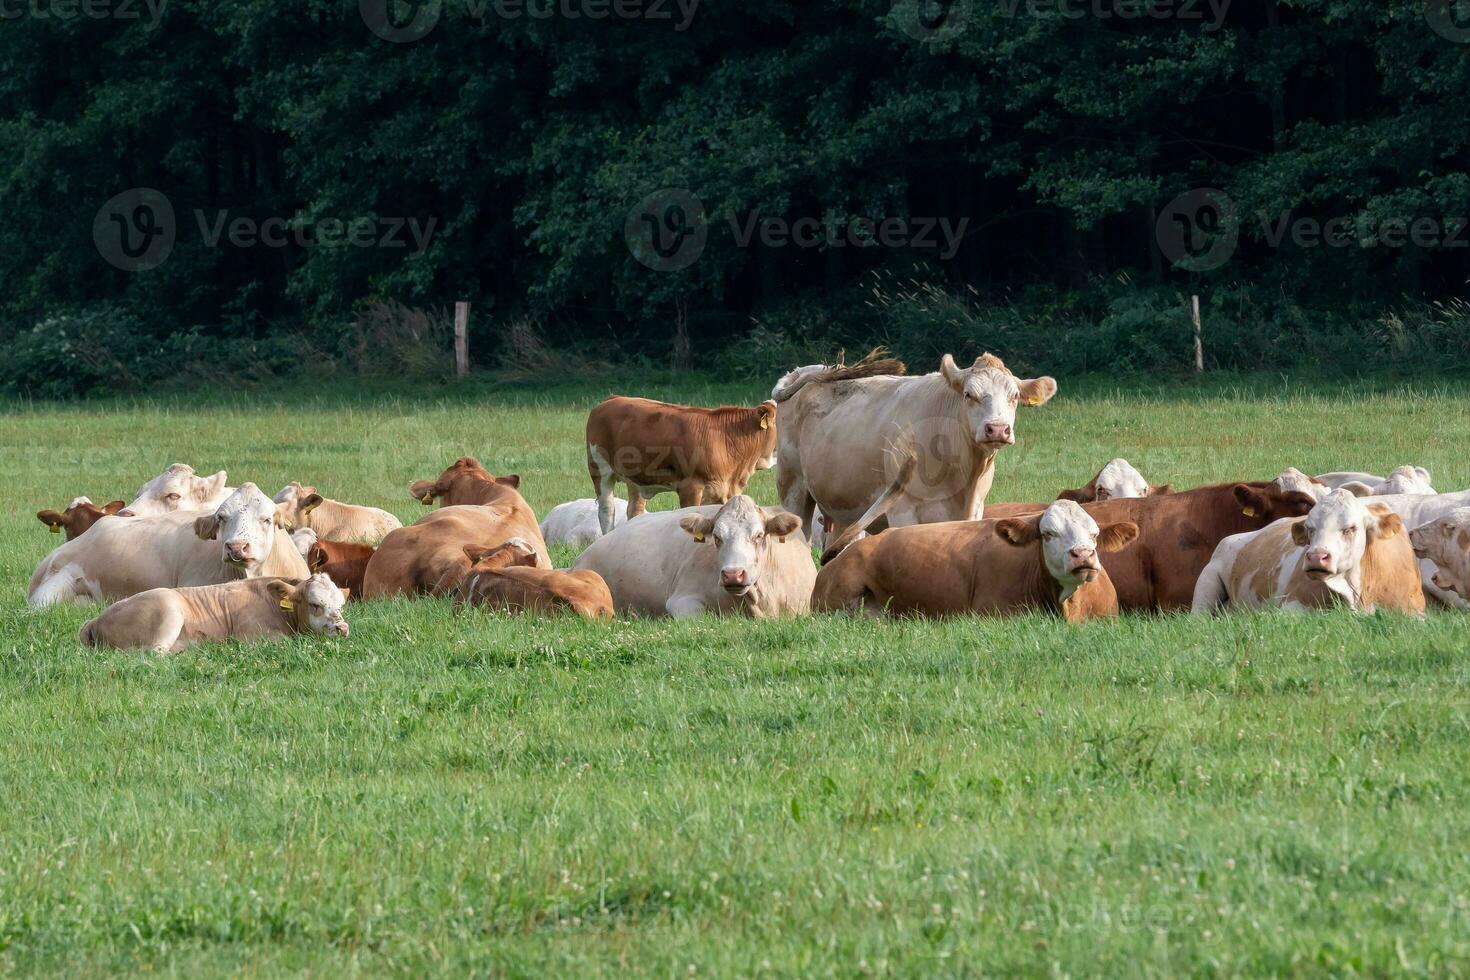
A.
x: 316, y: 607
x: 171, y: 496
x: 1348, y: 532
x: 717, y: 539
x: 1015, y: 397
x: 1102, y: 494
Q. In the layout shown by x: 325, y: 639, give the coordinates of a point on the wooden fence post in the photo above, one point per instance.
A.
x: 1199, y: 350
x: 462, y: 340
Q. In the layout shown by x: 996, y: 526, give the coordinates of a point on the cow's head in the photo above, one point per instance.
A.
x: 1338, y: 531
x: 245, y: 524
x: 990, y: 395
x: 312, y: 604
x: 177, y: 488
x: 1293, y: 480
x: 1270, y: 502
x: 1407, y: 479
x: 513, y: 552
x: 295, y: 502
x: 464, y: 482
x: 1070, y: 540
x: 304, y: 538
x: 1115, y: 481
x: 743, y: 534
x: 1446, y: 542
x: 79, y: 515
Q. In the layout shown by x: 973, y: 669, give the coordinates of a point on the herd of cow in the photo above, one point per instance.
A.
x: 886, y: 473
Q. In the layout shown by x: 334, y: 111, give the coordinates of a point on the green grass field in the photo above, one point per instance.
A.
x: 494, y: 796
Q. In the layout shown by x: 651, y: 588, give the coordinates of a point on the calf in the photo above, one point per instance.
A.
x: 735, y: 558
x: 654, y: 446
x: 996, y: 567
x: 79, y: 515
x: 121, y: 556
x: 333, y: 520
x: 170, y: 620
x: 1443, y: 549
x: 1345, y: 550
x: 1116, y: 480
x: 178, y: 488
x: 427, y: 557
x: 506, y: 577
x: 344, y: 562
x: 576, y: 522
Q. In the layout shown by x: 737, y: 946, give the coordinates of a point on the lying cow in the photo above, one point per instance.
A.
x: 654, y: 446
x: 1404, y: 479
x: 1346, y: 550
x: 170, y: 620
x: 427, y: 557
x: 1177, y: 535
x: 178, y: 488
x: 344, y: 562
x: 121, y: 556
x: 576, y: 523
x: 996, y: 567
x: 1118, y: 479
x: 506, y: 577
x: 333, y: 520
x: 79, y: 515
x: 838, y: 425
x: 735, y: 558
x: 1443, y: 549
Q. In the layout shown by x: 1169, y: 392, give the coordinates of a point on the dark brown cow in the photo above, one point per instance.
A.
x: 706, y: 455
x: 1178, y: 533
x: 344, y: 562
x: 79, y: 515
x: 506, y: 577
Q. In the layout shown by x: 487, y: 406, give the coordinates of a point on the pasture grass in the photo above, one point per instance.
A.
x: 493, y: 796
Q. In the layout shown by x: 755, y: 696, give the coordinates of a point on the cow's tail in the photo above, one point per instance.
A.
x: 87, y: 635
x: 908, y: 461
x: 876, y: 362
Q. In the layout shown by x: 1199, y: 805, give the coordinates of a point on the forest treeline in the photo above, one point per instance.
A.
x: 728, y: 185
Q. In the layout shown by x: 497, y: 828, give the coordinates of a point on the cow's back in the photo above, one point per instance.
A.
x: 428, y: 555
x: 642, y: 560
x: 127, y: 555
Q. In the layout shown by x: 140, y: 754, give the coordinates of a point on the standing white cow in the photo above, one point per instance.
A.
x: 178, y: 488
x: 122, y: 556
x: 576, y: 523
x: 838, y: 429
x: 735, y: 557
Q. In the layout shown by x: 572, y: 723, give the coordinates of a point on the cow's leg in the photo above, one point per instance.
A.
x: 604, y: 482
x: 691, y: 493
x: 685, y: 606
x: 637, y: 501
x: 792, y: 491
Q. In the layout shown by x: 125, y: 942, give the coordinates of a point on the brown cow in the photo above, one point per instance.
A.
x: 996, y: 567
x: 706, y: 455
x: 344, y: 562
x: 1177, y: 535
x: 79, y: 515
x: 506, y: 577
x: 428, y: 555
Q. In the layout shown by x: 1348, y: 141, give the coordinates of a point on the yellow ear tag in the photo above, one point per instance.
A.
x: 765, y: 422
x: 287, y: 605
x: 698, y: 537
x: 55, y: 528
x: 1249, y: 512
x: 1033, y: 401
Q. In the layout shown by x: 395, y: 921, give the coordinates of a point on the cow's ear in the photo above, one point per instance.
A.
x: 1037, y: 391
x: 1252, y: 502
x: 1423, y: 474
x: 346, y: 593
x: 474, y: 552
x: 1388, y: 523
x: 217, y: 482
x: 424, y: 491
x: 782, y: 523
x: 113, y: 506
x: 1116, y: 537
x: 280, y: 588
x: 207, y: 527
x: 697, y: 526
x: 1154, y: 491
x: 1299, y: 533
x: 952, y: 373
x: 512, y: 480
x: 311, y: 501
x: 316, y: 558
x: 50, y: 518
x: 1080, y: 495
x: 1357, y: 488
x: 767, y: 412
x: 1018, y: 531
